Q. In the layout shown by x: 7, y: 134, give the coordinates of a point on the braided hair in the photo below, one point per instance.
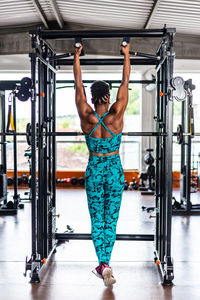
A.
x: 100, y: 91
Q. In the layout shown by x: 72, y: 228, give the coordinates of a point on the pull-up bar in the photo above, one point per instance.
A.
x: 66, y: 34
x: 106, y: 62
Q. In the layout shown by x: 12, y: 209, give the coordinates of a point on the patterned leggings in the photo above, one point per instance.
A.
x: 104, y: 183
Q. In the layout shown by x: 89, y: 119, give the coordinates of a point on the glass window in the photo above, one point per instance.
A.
x: 72, y: 153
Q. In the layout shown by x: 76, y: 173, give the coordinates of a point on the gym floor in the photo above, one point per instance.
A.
x: 69, y: 276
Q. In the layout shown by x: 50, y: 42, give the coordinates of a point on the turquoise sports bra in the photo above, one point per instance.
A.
x: 103, y: 145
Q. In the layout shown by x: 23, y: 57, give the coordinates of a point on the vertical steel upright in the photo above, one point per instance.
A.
x: 3, y: 162
x: 163, y: 198
x: 42, y: 143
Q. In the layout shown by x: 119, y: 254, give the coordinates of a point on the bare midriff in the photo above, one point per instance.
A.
x: 104, y: 154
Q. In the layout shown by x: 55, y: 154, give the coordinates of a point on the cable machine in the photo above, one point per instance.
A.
x: 8, y: 207
x: 44, y: 63
x: 185, y: 206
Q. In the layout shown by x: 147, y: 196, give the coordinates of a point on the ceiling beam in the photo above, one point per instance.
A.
x: 40, y: 12
x: 152, y: 13
x: 57, y: 13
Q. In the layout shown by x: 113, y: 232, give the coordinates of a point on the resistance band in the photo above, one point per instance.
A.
x: 10, y: 116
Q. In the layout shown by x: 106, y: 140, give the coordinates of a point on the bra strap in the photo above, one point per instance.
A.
x: 101, y: 122
x: 95, y: 127
x: 108, y: 129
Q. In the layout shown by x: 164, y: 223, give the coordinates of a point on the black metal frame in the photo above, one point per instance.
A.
x: 187, y: 122
x: 44, y: 236
x: 3, y: 162
x: 9, y: 86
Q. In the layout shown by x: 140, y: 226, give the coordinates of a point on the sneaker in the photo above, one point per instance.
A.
x: 104, y: 272
x: 97, y: 271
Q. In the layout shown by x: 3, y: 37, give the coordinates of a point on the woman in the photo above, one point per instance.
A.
x: 104, y: 177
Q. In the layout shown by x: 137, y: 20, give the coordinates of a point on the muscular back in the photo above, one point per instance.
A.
x: 112, y: 120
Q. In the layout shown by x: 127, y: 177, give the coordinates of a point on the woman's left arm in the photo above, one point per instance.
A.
x: 80, y: 96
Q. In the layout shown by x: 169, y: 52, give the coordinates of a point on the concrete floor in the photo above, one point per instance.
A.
x: 69, y: 276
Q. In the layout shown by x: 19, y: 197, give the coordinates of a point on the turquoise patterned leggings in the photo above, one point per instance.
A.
x: 104, y: 183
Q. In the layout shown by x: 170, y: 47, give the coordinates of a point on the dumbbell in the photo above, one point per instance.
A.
x: 67, y: 180
x: 10, y: 181
x: 9, y: 205
x: 74, y: 180
x: 133, y: 185
x: 81, y: 181
x: 25, y: 179
x: 19, y: 180
x: 125, y: 185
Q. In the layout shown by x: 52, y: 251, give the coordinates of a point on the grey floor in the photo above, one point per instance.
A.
x: 69, y: 276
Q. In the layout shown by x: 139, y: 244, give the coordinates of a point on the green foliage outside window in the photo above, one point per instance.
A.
x: 177, y: 108
x: 133, y: 107
x: 78, y: 148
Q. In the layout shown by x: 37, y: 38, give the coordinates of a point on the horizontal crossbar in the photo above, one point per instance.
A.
x: 96, y: 34
x: 107, y: 62
x: 119, y: 237
x: 73, y: 133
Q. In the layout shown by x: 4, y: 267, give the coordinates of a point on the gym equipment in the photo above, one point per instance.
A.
x: 125, y: 185
x: 3, y: 184
x: 10, y: 116
x: 178, y: 92
x: 23, y: 92
x: 126, y: 40
x: 81, y: 180
x: 148, y: 175
x: 25, y: 179
x: 143, y: 177
x: 10, y: 181
x: 133, y: 185
x: 6, y: 131
x: 74, y: 180
x: 148, y: 209
x: 69, y: 229
x: 185, y: 134
x: 44, y: 235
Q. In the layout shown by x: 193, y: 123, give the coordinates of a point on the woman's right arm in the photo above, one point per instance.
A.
x: 119, y: 106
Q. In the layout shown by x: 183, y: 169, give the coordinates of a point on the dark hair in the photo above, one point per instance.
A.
x: 100, y: 91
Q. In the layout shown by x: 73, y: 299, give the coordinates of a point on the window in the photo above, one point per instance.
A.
x: 72, y: 153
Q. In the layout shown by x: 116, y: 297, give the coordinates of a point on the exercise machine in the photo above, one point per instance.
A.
x: 44, y: 63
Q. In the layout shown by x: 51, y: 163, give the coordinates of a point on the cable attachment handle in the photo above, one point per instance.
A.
x: 125, y: 41
x: 79, y: 41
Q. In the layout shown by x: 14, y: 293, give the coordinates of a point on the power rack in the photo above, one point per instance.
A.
x: 43, y: 143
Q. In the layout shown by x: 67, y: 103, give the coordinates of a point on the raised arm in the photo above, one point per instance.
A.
x: 80, y: 96
x: 119, y: 106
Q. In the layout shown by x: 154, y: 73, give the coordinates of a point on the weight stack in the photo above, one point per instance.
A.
x: 3, y: 187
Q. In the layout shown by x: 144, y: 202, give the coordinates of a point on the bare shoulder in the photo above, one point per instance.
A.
x: 115, y: 121
x: 115, y: 113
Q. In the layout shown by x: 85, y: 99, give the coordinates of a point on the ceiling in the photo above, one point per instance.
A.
x: 182, y: 14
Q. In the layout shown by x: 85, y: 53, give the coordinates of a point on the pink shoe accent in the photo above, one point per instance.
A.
x: 104, y: 271
x: 101, y: 268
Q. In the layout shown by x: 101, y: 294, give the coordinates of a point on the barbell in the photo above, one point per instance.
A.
x: 179, y: 134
